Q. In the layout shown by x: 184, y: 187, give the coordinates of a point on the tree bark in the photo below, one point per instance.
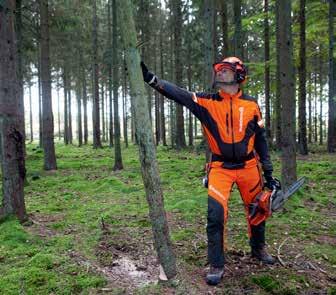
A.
x: 177, y: 11
x: 238, y: 44
x: 332, y: 82
x: 303, y: 148
x: 111, y: 132
x: 70, y: 112
x: 11, y: 135
x: 267, y: 74
x: 65, y: 87
x: 86, y: 133
x: 48, y: 120
x: 31, y: 114
x: 95, y: 109
x: 225, y: 28
x: 287, y: 96
x: 79, y: 116
x: 149, y: 166
x: 118, y: 165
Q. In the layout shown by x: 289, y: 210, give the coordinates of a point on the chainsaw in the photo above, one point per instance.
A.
x: 267, y: 202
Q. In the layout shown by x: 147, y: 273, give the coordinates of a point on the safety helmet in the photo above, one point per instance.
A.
x: 234, y: 64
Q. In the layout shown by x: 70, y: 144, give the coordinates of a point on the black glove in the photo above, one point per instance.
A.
x: 271, y: 182
x: 148, y: 76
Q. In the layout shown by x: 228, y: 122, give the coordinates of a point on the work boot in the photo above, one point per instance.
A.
x: 262, y: 255
x: 215, y: 275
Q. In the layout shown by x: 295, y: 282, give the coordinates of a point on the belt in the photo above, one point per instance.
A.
x: 241, y: 160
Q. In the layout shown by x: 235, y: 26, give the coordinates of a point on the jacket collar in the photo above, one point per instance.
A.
x: 225, y: 95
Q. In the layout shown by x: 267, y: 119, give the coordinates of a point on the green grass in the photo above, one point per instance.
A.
x: 72, y: 202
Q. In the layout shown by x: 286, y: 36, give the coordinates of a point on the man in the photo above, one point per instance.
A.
x: 235, y: 132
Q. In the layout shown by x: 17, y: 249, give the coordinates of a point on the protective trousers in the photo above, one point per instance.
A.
x: 221, y: 180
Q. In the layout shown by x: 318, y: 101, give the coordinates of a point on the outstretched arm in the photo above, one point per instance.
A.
x: 171, y: 91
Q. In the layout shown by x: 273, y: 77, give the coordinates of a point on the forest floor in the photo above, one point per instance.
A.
x: 89, y: 231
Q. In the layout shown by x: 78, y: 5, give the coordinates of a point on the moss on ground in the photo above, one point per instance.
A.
x: 70, y: 206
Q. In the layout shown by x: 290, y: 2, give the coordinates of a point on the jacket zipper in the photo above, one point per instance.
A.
x: 233, y: 148
x: 227, y: 123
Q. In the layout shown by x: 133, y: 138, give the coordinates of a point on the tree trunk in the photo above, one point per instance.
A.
x: 31, y: 114
x: 69, y: 112
x: 58, y: 114
x: 287, y: 96
x: 303, y: 148
x: 225, y: 28
x: 103, y: 112
x: 11, y: 135
x: 95, y: 108
x: 48, y: 120
x: 321, y: 99
x: 310, y: 126
x: 177, y: 11
x: 267, y: 74
x: 79, y: 116
x: 125, y: 105
x: 238, y: 44
x: 332, y: 82
x: 315, y: 107
x: 118, y: 165
x: 65, y: 87
x: 162, y: 111
x: 149, y: 166
x: 39, y: 97
x: 86, y: 132
x: 277, y: 108
x: 111, y: 133
x: 208, y: 36
x: 18, y: 28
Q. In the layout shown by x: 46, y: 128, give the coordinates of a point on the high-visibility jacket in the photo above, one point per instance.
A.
x: 232, y: 124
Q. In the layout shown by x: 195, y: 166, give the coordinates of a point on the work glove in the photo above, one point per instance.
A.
x: 148, y: 76
x: 271, y: 182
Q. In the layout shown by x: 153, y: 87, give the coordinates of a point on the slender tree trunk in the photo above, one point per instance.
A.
x: 48, y: 120
x: 149, y: 166
x: 65, y: 87
x: 310, y: 126
x: 95, y: 108
x: 70, y: 112
x: 111, y: 133
x: 31, y: 114
x: 58, y: 114
x: 79, y: 115
x: 238, y: 43
x: 225, y: 28
x: 103, y: 112
x: 321, y: 99
x: 303, y: 148
x: 267, y: 74
x: 125, y: 106
x: 118, y: 165
x: 315, y: 107
x: 39, y: 97
x: 177, y: 10
x: 86, y: 133
x: 332, y: 82
x: 277, y: 107
x: 162, y: 113
x: 11, y: 134
x: 287, y: 96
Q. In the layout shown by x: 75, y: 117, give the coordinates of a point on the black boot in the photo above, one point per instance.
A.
x: 215, y: 275
x: 262, y: 255
x: 257, y: 243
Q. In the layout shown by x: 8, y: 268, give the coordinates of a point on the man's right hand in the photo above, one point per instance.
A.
x: 148, y: 76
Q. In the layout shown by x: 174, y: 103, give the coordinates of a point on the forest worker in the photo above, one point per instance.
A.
x: 235, y: 132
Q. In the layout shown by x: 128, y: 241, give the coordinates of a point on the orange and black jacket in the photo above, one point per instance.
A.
x: 232, y: 124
